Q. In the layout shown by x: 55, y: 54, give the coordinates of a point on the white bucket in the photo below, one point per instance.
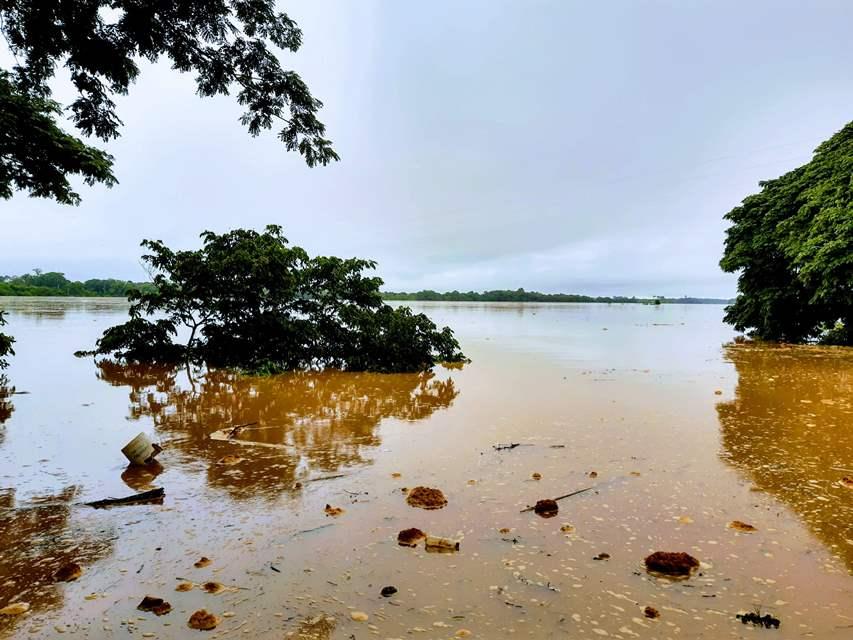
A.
x: 139, y: 450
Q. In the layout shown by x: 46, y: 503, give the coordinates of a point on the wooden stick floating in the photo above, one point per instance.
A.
x: 146, y: 497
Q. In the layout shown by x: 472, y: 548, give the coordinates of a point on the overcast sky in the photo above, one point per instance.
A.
x: 561, y: 146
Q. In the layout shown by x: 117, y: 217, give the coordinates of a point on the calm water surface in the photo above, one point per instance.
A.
x: 683, y: 434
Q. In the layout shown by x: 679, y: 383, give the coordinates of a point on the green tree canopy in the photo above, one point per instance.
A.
x: 792, y: 245
x: 250, y: 300
x: 228, y: 44
x: 5, y: 344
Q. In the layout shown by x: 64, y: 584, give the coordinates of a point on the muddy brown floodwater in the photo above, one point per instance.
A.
x: 735, y: 455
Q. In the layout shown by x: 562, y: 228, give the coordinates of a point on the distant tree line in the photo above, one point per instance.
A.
x: 53, y: 283
x: 520, y: 295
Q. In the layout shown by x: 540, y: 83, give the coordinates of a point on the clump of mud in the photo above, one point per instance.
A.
x: 737, y: 525
x: 213, y: 587
x: 155, y: 605
x: 202, y: 620
x: 546, y: 508
x: 651, y: 612
x: 426, y: 498
x: 410, y: 537
x: 671, y: 563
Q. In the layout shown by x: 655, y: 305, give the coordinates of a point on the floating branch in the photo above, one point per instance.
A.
x: 155, y: 496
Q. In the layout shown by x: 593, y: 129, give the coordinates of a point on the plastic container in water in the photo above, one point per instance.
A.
x: 140, y: 450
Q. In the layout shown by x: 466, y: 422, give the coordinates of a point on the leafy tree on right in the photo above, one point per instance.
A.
x: 792, y: 244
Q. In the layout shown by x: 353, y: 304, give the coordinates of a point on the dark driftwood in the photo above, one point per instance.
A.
x: 568, y: 495
x: 234, y: 431
x: 511, y: 445
x: 146, y: 497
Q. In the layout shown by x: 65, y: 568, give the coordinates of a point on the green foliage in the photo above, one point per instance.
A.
x: 792, y: 244
x: 36, y: 155
x: 227, y: 44
x: 251, y: 301
x: 520, y: 295
x: 5, y: 344
x: 53, y: 283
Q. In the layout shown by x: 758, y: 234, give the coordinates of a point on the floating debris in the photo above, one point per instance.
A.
x: 155, y: 605
x: 230, y: 460
x: 410, y: 537
x: 671, y: 563
x: 426, y: 498
x: 847, y: 482
x: 388, y: 591
x: 333, y: 511
x: 743, y: 527
x: 434, y: 543
x: 505, y: 447
x: 546, y: 508
x: 602, y: 556
x: 68, y: 572
x: 184, y: 586
x: 567, y: 528
x: 213, y: 587
x: 202, y: 562
x: 202, y: 620
x: 155, y: 496
x: 766, y: 620
x: 651, y: 612
x: 358, y: 616
x: 140, y: 450
x: 536, y: 476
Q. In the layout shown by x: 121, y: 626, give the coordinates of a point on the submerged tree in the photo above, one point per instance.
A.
x: 229, y: 45
x: 250, y: 300
x: 792, y: 244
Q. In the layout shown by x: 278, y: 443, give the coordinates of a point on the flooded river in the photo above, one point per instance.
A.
x: 676, y: 434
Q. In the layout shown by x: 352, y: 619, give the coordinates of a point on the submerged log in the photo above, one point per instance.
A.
x: 155, y: 496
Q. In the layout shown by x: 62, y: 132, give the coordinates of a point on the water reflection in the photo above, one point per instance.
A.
x: 37, y: 538
x: 312, y: 422
x: 790, y: 428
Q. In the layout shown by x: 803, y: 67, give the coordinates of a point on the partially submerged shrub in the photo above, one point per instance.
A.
x: 251, y: 301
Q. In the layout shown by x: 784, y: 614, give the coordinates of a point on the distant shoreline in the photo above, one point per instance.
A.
x: 415, y: 297
x: 520, y: 295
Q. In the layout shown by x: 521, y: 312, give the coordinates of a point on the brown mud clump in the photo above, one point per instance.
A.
x: 426, y: 498
x: 202, y: 620
x: 213, y: 587
x: 184, y: 586
x: 671, y: 563
x: 202, y: 562
x: 334, y: 512
x: 68, y: 572
x: 155, y: 605
x: 743, y: 527
x: 651, y: 612
x: 410, y: 537
x: 847, y: 482
x: 546, y: 508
